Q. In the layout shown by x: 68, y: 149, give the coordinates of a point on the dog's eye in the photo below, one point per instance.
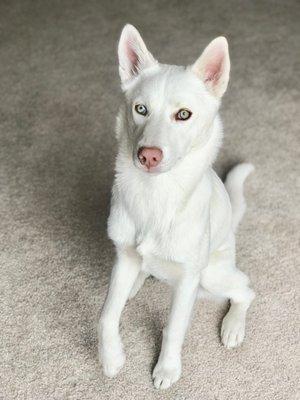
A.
x: 183, y: 115
x: 141, y: 109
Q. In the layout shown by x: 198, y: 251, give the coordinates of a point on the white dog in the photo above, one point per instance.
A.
x: 171, y: 216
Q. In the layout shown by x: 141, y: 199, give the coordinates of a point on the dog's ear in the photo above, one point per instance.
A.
x: 133, y: 54
x: 213, y: 66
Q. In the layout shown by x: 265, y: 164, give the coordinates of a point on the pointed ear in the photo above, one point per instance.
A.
x: 133, y: 54
x: 213, y: 66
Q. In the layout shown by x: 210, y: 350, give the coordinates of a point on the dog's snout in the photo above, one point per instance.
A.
x: 150, y: 156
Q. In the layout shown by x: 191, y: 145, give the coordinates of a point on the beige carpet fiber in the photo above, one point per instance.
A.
x: 59, y: 90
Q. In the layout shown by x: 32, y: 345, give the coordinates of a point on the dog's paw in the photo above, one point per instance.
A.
x: 233, y: 330
x: 112, y: 358
x: 165, y: 374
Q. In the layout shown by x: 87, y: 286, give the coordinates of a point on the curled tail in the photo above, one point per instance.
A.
x: 234, y: 184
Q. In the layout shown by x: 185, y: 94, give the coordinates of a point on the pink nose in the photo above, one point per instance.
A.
x: 150, y: 156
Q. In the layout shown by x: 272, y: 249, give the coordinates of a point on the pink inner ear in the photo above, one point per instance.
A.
x: 132, y: 57
x: 214, y: 67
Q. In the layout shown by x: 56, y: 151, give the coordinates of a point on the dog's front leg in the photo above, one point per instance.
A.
x: 124, y: 274
x: 168, y: 367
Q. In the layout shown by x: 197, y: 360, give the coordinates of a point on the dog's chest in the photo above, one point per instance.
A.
x: 155, y: 239
x: 159, y: 220
x: 154, y: 233
x: 163, y: 233
x: 151, y: 205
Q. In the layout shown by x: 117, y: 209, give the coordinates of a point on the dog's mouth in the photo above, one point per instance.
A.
x: 148, y: 170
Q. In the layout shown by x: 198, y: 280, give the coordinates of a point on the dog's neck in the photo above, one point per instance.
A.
x: 191, y: 169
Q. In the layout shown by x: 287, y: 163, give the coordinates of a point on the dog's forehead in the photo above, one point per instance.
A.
x: 173, y: 84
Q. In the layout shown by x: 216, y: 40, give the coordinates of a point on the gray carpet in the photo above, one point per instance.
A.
x: 60, y: 92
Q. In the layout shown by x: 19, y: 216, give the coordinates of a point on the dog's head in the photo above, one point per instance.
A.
x: 169, y: 108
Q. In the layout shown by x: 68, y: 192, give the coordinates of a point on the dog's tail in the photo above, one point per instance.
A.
x: 234, y: 184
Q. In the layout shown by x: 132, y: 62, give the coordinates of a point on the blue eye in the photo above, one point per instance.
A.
x: 141, y: 109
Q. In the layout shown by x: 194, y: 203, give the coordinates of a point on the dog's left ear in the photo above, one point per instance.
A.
x: 213, y: 66
x: 133, y: 54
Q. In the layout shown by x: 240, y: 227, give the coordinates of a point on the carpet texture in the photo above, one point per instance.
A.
x: 60, y: 93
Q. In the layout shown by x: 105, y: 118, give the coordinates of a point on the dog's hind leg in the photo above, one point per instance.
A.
x: 222, y: 279
x: 142, y: 276
x: 233, y: 325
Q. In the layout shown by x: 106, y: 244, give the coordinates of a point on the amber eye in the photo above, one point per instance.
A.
x: 141, y: 109
x: 183, y: 115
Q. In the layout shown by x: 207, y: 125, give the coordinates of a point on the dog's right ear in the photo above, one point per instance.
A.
x: 133, y: 54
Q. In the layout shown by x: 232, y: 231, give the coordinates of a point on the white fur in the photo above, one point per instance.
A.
x: 178, y: 223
